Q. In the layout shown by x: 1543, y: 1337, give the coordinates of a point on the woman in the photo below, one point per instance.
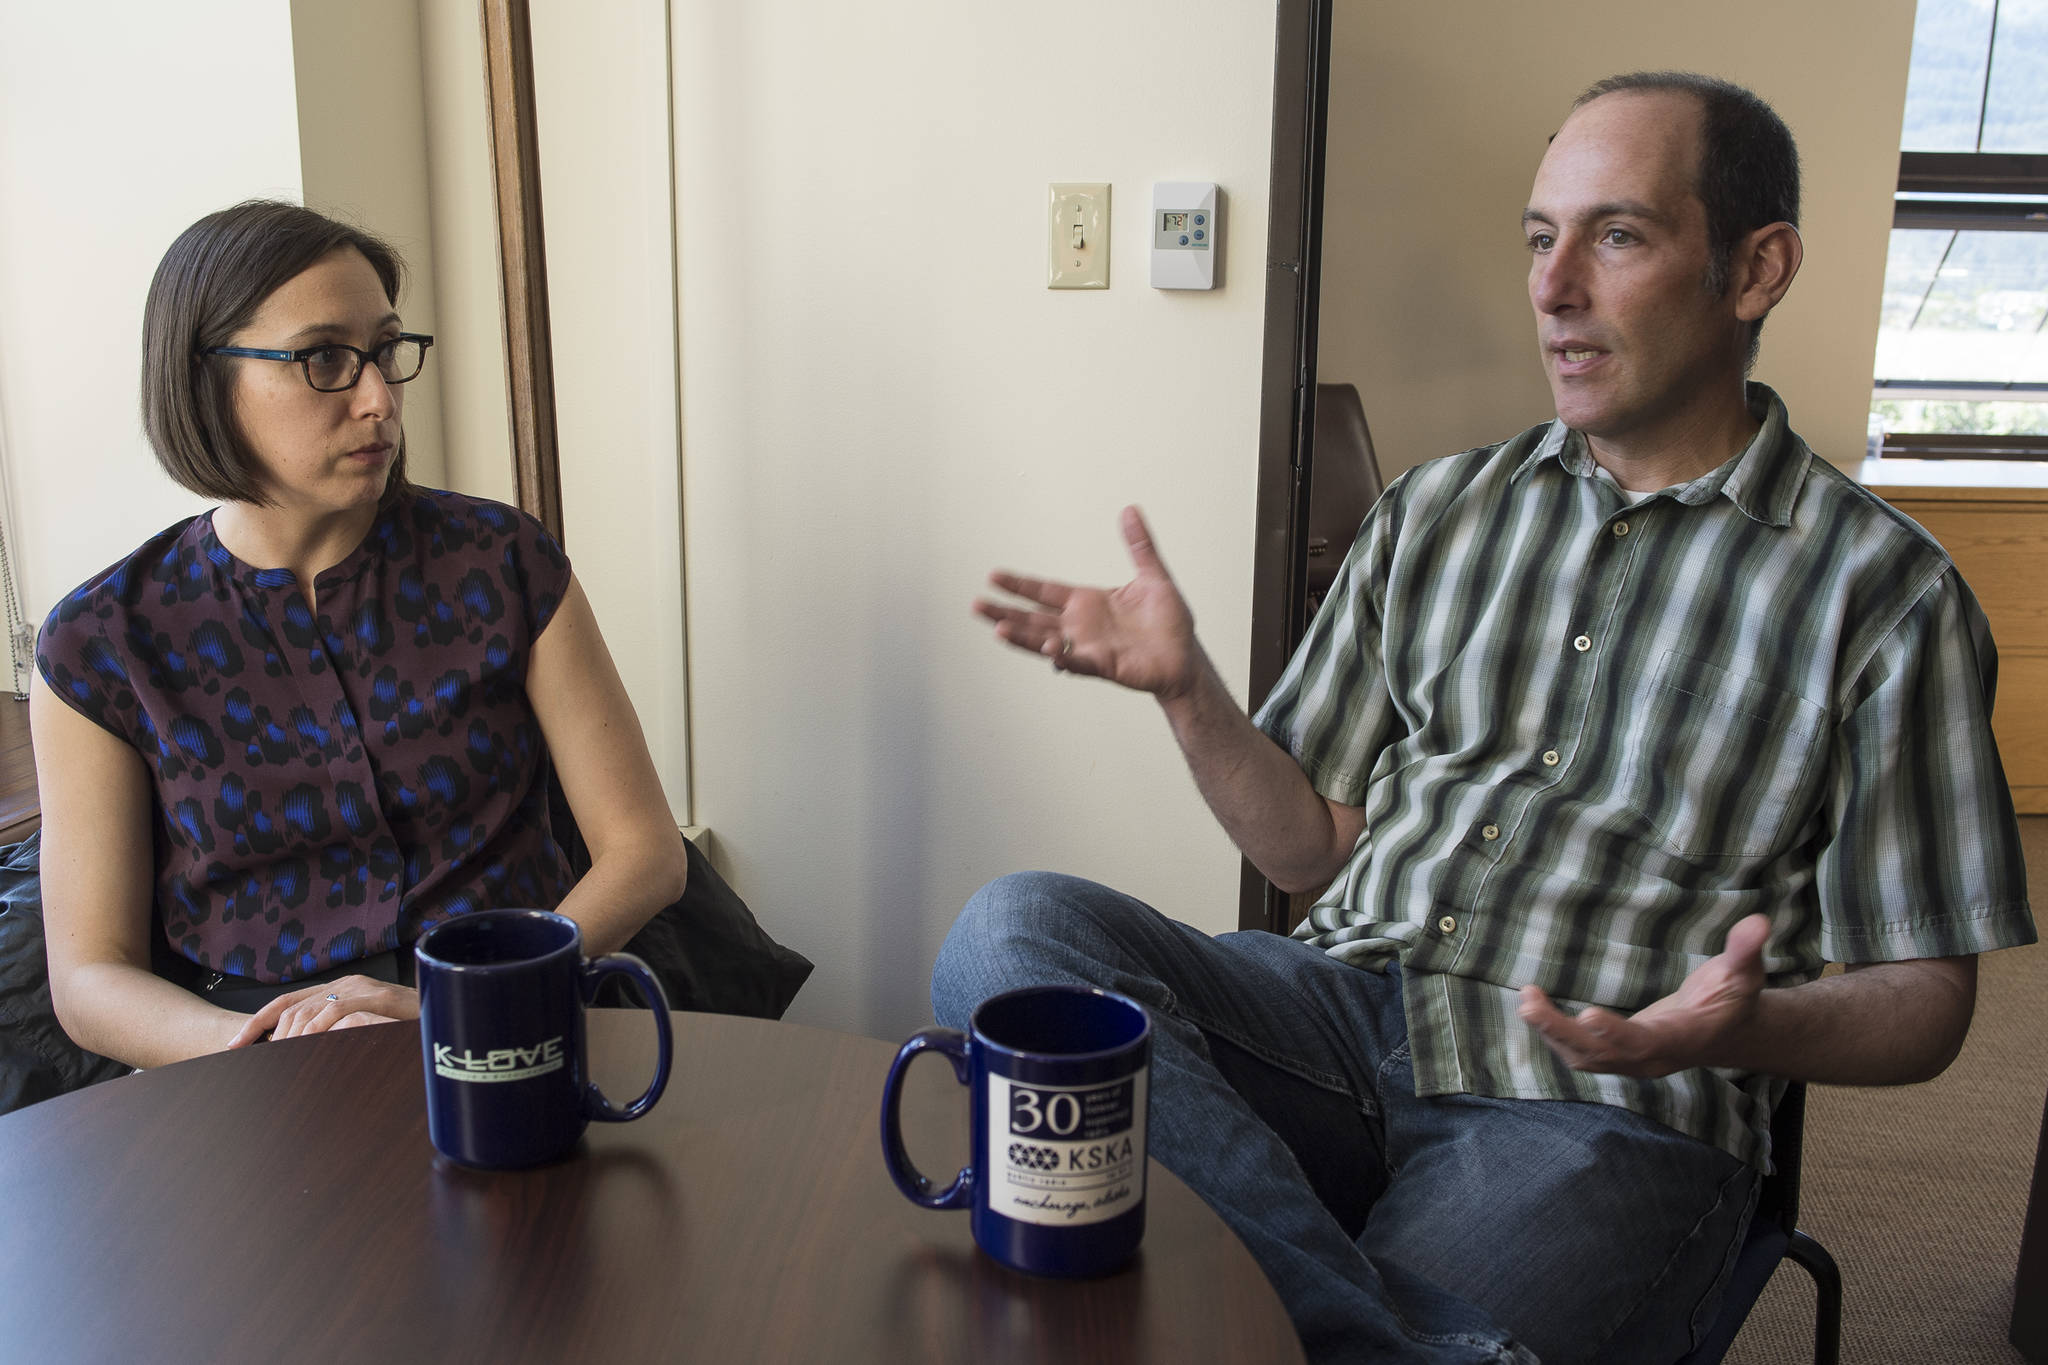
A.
x: 283, y: 737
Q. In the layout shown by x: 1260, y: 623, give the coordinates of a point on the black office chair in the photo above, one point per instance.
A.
x: 1773, y: 1235
x: 1344, y: 483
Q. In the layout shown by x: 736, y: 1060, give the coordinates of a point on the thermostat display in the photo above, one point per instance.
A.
x: 1186, y: 237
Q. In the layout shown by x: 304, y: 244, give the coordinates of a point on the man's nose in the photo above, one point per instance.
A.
x: 1557, y: 280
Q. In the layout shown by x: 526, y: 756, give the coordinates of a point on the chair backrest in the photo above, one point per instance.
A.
x: 1778, y: 1198
x: 1774, y: 1237
x: 1344, y: 483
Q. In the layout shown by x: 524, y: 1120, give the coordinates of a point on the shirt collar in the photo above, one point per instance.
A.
x: 1764, y: 480
x: 372, y: 544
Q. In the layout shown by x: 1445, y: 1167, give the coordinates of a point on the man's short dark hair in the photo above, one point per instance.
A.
x: 1749, y: 164
x: 207, y: 287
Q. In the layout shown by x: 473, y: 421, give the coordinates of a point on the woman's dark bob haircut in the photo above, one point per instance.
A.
x: 208, y: 286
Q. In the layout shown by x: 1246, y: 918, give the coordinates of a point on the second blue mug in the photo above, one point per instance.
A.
x: 1058, y: 1078
x: 502, y: 994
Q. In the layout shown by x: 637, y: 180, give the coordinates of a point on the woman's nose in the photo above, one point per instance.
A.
x: 373, y: 395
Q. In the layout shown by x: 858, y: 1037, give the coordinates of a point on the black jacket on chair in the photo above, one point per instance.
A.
x: 707, y: 949
x: 37, y: 1058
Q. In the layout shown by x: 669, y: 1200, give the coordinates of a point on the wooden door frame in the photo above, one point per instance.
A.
x: 522, y: 260
x: 1287, y: 402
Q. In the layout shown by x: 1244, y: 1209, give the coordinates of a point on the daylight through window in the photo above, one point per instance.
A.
x: 1962, y: 344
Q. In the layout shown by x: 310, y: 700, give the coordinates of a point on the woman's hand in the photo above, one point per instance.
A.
x: 349, y: 1002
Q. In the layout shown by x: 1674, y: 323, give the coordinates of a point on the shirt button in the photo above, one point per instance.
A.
x: 1447, y: 924
x: 1489, y: 832
x: 1550, y: 758
x: 1583, y: 643
x: 1620, y: 529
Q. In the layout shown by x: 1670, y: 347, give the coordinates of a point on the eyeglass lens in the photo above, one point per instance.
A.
x: 332, y: 368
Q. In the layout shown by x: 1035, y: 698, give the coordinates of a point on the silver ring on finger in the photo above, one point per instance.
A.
x: 1066, y: 647
x: 332, y: 996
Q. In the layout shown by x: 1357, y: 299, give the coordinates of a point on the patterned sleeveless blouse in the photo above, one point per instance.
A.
x: 328, y: 785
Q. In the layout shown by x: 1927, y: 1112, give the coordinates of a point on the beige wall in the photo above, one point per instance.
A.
x: 601, y: 82
x: 1438, y: 116
x: 363, y: 159
x: 92, y: 93
x: 601, y: 100
x: 469, y: 345
x: 881, y: 401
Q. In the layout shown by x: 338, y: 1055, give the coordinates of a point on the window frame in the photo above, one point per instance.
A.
x: 1936, y: 192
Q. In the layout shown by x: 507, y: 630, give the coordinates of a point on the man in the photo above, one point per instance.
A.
x: 1607, y: 739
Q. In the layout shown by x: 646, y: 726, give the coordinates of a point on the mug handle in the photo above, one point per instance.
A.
x: 916, y: 1187
x: 596, y: 970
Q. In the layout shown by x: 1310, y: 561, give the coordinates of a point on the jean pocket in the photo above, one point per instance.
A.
x: 1719, y: 763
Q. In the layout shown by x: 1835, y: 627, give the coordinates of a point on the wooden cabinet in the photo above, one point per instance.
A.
x: 1992, y: 518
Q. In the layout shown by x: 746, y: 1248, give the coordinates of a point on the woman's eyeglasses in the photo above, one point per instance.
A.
x: 334, y: 367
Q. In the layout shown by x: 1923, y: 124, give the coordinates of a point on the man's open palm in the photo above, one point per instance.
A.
x: 1141, y: 634
x: 1688, y: 1028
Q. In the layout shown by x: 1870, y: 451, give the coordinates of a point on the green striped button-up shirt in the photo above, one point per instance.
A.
x: 1589, y: 735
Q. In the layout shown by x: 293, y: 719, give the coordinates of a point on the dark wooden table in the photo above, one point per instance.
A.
x: 283, y: 1203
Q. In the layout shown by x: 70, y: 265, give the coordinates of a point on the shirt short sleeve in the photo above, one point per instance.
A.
x: 534, y: 566
x: 84, y: 650
x: 83, y: 668
x: 1331, y: 710
x: 1924, y: 857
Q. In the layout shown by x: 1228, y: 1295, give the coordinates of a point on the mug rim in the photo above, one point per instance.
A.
x: 981, y: 1039
x: 574, y: 945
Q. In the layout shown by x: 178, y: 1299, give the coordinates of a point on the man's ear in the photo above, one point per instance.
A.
x: 1765, y: 262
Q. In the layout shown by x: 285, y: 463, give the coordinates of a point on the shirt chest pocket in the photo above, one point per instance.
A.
x: 1720, y: 764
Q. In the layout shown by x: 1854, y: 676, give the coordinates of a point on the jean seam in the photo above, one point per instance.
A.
x: 1695, y: 1329
x: 1678, y: 1249
x: 1501, y: 1348
x: 1398, y: 1057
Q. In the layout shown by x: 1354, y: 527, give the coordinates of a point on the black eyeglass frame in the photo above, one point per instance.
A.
x: 305, y: 354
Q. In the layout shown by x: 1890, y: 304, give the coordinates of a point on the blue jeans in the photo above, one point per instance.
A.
x: 1454, y: 1228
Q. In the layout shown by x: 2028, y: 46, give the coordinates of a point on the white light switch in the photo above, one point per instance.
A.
x: 1187, y: 238
x: 1077, y: 243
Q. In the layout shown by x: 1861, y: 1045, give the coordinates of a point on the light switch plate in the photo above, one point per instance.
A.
x: 1077, y: 239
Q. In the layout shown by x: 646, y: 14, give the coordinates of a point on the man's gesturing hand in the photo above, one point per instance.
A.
x: 1141, y: 635
x: 1692, y: 1026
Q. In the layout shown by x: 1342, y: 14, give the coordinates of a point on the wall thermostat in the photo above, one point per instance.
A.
x: 1186, y: 238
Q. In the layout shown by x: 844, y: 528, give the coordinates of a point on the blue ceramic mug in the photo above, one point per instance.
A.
x: 502, y: 994
x: 1057, y: 1077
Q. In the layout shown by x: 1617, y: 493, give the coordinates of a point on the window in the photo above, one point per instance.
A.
x: 1962, y: 344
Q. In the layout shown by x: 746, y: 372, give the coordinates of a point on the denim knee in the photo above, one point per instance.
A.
x: 1011, y: 934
